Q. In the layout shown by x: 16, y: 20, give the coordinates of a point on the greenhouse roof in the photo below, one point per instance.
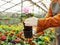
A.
x: 17, y: 6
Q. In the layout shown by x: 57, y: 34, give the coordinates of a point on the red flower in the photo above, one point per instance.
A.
x: 3, y: 37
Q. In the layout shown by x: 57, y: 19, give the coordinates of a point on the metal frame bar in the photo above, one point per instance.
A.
x: 11, y: 7
x: 6, y: 3
x: 33, y: 3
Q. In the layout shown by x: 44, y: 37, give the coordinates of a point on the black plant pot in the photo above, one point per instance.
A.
x: 28, y: 31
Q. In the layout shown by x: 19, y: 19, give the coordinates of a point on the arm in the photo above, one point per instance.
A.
x: 48, y: 22
x: 49, y: 13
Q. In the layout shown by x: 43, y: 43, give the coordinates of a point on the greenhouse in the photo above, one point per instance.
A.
x: 29, y: 22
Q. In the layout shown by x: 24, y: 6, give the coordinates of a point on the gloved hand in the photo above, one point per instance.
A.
x: 31, y: 21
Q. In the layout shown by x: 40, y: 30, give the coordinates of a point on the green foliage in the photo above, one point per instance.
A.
x: 45, y: 38
x: 39, y: 16
x: 27, y: 15
x: 23, y: 15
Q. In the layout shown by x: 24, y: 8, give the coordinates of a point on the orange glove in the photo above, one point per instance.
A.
x: 48, y: 22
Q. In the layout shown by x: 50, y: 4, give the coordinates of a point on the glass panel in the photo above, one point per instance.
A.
x: 17, y: 8
x: 16, y: 1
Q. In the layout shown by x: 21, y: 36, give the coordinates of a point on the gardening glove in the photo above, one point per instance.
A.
x: 31, y: 21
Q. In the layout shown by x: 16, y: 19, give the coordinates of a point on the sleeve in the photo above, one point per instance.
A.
x: 49, y: 13
x: 45, y: 23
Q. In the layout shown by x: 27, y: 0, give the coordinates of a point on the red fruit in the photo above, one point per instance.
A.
x: 3, y: 37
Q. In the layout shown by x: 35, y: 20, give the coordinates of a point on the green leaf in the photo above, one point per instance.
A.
x: 18, y: 44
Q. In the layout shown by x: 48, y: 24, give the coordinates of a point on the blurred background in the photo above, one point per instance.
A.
x: 15, y: 9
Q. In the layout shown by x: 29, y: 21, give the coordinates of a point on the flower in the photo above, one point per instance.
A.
x: 3, y: 37
x: 26, y: 10
x: 52, y: 30
x: 46, y: 38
